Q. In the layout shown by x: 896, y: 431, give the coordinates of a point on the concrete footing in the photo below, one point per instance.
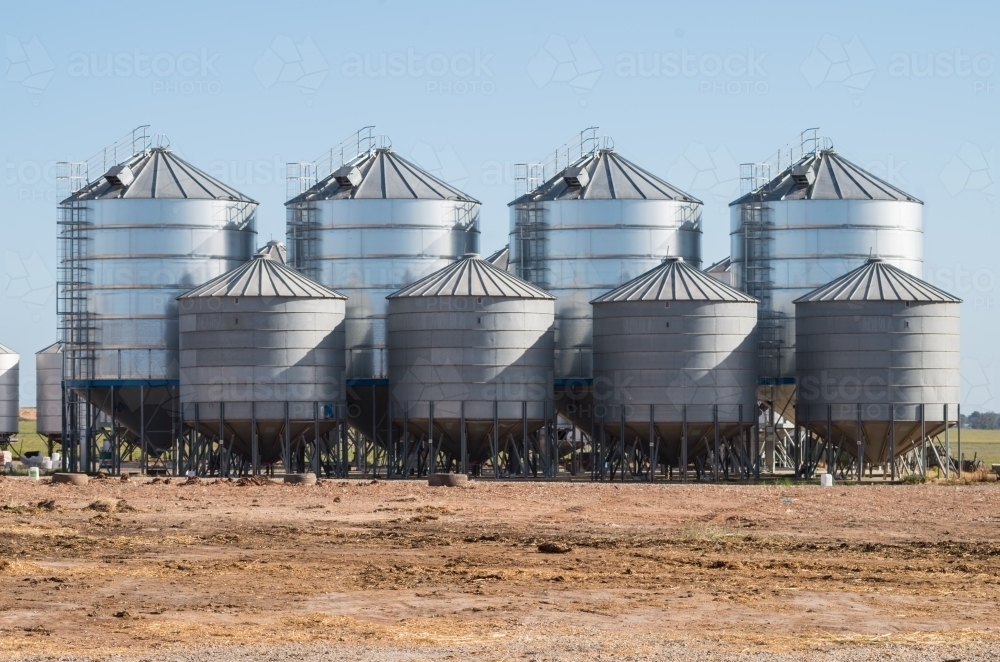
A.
x: 300, y: 479
x: 447, y: 480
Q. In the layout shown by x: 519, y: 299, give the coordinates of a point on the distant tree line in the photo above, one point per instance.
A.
x: 981, y: 420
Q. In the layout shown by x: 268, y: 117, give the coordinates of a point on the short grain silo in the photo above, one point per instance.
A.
x: 878, y: 362
x: 10, y: 384
x: 48, y: 393
x: 147, y: 228
x: 471, y: 362
x: 674, y: 358
x: 375, y: 222
x: 808, y: 216
x: 262, y: 359
x: 594, y: 222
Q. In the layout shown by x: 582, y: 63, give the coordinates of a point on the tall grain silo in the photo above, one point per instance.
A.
x: 10, y: 384
x: 808, y: 216
x: 262, y: 360
x: 374, y: 222
x: 878, y: 361
x: 470, y: 351
x: 48, y: 393
x: 589, y: 221
x: 147, y: 228
x: 675, y: 358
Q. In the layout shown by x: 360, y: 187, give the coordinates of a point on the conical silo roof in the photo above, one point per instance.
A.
x: 826, y: 175
x: 381, y: 173
x: 274, y: 250
x: 471, y: 277
x: 54, y: 348
x: 675, y: 280
x: 877, y: 280
x: 500, y: 259
x: 262, y: 277
x: 6, y: 350
x: 609, y: 176
x: 157, y: 173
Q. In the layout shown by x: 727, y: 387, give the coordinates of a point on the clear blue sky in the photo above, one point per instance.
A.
x: 910, y: 91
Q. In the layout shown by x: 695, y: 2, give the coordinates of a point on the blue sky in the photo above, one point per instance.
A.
x: 909, y: 90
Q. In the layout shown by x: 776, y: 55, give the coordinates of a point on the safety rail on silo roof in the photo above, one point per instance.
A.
x: 356, y: 145
x: 238, y: 215
x: 574, y: 149
x: 529, y: 176
x: 133, y: 143
x: 754, y: 176
x: 466, y: 215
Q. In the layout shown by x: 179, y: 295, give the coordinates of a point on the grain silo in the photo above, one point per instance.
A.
x: 48, y: 393
x: 372, y: 223
x: 262, y: 361
x: 877, y: 362
x: 588, y: 221
x: 148, y: 227
x: 471, y: 365
x: 808, y: 216
x: 675, y: 359
x: 10, y: 362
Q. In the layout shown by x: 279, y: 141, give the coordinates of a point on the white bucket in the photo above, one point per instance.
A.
x: 33, y: 473
x: 6, y: 457
x: 56, y: 459
x: 46, y: 464
x: 826, y: 480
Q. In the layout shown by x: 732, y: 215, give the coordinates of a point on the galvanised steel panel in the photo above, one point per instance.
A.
x: 265, y: 350
x: 369, y: 248
x: 874, y: 353
x: 580, y: 249
x: 48, y: 391
x: 9, y: 390
x: 640, y: 361
x: 260, y: 357
x: 475, y: 350
x: 812, y: 242
x: 142, y: 254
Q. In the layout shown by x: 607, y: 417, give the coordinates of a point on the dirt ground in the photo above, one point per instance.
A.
x: 397, y: 570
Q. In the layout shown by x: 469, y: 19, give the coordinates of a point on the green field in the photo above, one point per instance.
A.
x: 985, y: 443
x: 28, y: 439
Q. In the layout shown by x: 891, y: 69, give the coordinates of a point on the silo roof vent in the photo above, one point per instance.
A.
x: 120, y: 175
x: 347, y: 176
x: 576, y: 177
x: 803, y: 174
